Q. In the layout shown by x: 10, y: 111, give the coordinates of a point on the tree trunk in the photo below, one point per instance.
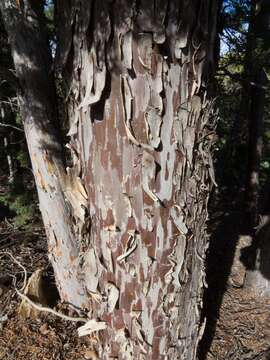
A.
x: 129, y: 216
x: 257, y: 104
x: 9, y: 161
x: 37, y: 100
x: 258, y: 274
x: 254, y: 101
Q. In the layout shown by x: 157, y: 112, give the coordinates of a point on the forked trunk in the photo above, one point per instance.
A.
x: 141, y: 129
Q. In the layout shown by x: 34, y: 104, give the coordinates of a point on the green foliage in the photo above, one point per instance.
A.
x: 20, y: 205
x: 50, y: 26
x: 241, y: 47
x: 20, y: 197
x: 22, y: 159
x: 22, y: 202
x: 231, y: 145
x: 18, y: 119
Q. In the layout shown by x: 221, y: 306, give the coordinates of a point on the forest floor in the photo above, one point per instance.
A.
x: 242, y: 329
x: 44, y: 337
x: 237, y: 325
x: 238, y: 322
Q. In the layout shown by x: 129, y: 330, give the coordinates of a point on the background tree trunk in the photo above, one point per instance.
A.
x: 128, y: 216
x: 37, y: 100
x: 255, y: 146
x: 255, y: 101
x: 9, y: 161
x: 258, y: 275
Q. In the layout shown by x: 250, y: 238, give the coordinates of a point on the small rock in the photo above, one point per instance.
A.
x: 3, y: 318
x: 44, y: 329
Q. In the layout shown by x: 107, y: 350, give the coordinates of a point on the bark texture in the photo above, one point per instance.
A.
x: 129, y: 214
x: 141, y: 124
x: 37, y: 99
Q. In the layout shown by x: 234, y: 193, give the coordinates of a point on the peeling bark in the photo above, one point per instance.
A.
x: 139, y: 93
x: 134, y: 204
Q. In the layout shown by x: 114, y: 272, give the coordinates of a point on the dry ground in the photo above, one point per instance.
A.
x: 238, y: 323
x: 242, y: 329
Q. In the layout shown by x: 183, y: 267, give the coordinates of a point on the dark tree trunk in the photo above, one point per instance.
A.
x: 258, y: 274
x: 254, y: 101
x: 257, y: 105
x: 126, y: 222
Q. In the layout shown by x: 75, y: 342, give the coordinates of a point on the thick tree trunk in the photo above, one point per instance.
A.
x: 141, y: 124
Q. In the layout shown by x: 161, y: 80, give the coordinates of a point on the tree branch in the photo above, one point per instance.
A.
x: 11, y: 126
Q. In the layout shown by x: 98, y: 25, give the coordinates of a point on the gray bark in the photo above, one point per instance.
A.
x: 37, y: 102
x: 141, y: 125
x: 7, y: 151
x: 9, y: 161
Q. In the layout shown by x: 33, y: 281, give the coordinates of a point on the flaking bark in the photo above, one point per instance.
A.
x: 142, y: 124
